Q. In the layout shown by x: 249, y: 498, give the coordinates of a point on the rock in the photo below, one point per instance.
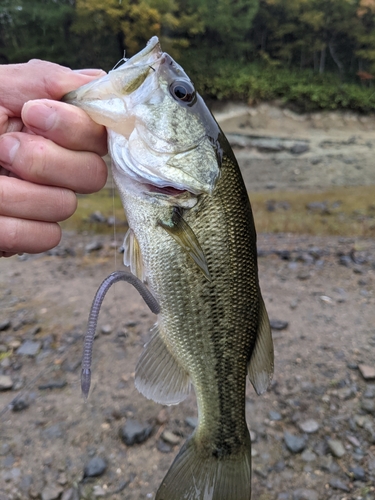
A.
x: 336, y: 447
x: 191, y: 422
x: 337, y: 484
x: 53, y: 384
x: 29, y: 348
x: 6, y: 383
x: 295, y: 444
x: 299, y: 148
x: 5, y: 325
x: 277, y: 324
x: 52, y: 492
x: 134, y: 432
x: 308, y: 456
x: 318, y: 206
x: 368, y: 405
x: 367, y: 372
x: 305, y: 494
x: 20, y: 404
x: 358, y: 473
x: 163, y: 447
x: 94, y: 246
x: 97, y: 216
x: 369, y: 392
x: 274, y: 415
x: 70, y: 494
x: 53, y: 432
x: 95, y: 467
x: 106, y: 329
x: 309, y: 426
x: 170, y: 438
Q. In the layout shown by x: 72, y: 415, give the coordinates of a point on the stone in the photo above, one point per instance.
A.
x: 106, y: 329
x: 367, y: 372
x: 308, y: 456
x: 336, y: 447
x: 29, y: 348
x: 277, y: 324
x: 359, y: 473
x: 5, y: 325
x: 20, y: 404
x: 191, y: 422
x: 305, y: 494
x: 53, y: 384
x: 338, y: 484
x: 295, y: 444
x: 95, y: 467
x: 70, y: 494
x: 6, y: 383
x: 299, y: 148
x: 170, y: 438
x: 52, y: 492
x: 134, y: 432
x: 94, y: 246
x: 53, y: 432
x: 274, y: 415
x: 368, y: 405
x: 309, y: 426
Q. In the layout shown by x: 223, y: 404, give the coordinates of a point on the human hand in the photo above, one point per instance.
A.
x: 49, y: 151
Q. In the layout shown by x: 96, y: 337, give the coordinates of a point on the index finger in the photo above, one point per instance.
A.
x: 39, y: 80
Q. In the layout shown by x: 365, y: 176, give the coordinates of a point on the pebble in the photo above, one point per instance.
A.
x: 5, y: 325
x: 308, y: 456
x: 6, y: 383
x: 53, y: 432
x: 191, y: 422
x: 368, y: 405
x: 52, y: 492
x: 277, y: 324
x: 94, y: 246
x: 338, y: 484
x: 170, y: 438
x: 163, y: 447
x: 367, y: 372
x: 106, y: 329
x: 134, y: 432
x: 305, y: 494
x: 358, y: 473
x: 53, y: 384
x: 274, y: 415
x: 369, y: 392
x: 299, y: 148
x: 309, y: 426
x: 295, y: 444
x: 29, y: 348
x: 95, y: 467
x: 70, y: 494
x: 336, y: 447
x: 20, y: 404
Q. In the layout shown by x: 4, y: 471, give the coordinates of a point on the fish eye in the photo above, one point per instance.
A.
x: 182, y: 91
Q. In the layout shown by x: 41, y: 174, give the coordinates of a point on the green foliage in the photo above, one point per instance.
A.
x: 303, y: 88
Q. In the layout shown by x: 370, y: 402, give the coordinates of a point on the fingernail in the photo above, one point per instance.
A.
x: 8, y: 149
x: 90, y: 72
x: 40, y: 115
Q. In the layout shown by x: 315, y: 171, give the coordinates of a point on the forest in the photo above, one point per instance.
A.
x: 315, y: 54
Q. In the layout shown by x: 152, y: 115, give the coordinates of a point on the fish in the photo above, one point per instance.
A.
x: 192, y: 239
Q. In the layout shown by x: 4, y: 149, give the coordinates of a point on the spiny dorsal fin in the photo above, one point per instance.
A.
x: 260, y: 368
x: 133, y: 256
x: 180, y: 230
x: 159, y: 376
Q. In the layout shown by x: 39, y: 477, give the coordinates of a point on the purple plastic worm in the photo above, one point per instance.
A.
x: 93, y: 319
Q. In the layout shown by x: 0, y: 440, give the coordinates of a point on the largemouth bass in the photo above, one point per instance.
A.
x: 192, y: 239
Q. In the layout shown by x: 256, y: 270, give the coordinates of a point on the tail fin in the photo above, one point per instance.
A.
x: 196, y: 477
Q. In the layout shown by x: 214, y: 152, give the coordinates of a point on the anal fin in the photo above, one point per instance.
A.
x: 159, y: 376
x: 260, y: 368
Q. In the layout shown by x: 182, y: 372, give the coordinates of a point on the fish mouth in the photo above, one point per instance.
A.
x: 166, y: 190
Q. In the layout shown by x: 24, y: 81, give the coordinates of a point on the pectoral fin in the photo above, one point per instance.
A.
x: 158, y: 375
x: 133, y: 256
x: 180, y: 230
x: 260, y: 369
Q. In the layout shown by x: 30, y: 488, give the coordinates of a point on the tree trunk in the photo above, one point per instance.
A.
x: 322, y: 64
x: 334, y: 56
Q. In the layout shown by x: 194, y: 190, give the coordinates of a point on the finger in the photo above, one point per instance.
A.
x: 36, y: 159
x: 66, y: 125
x: 20, y: 235
x: 39, y: 80
x: 26, y: 200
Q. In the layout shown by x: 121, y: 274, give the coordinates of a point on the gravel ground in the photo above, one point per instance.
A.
x: 313, y: 432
